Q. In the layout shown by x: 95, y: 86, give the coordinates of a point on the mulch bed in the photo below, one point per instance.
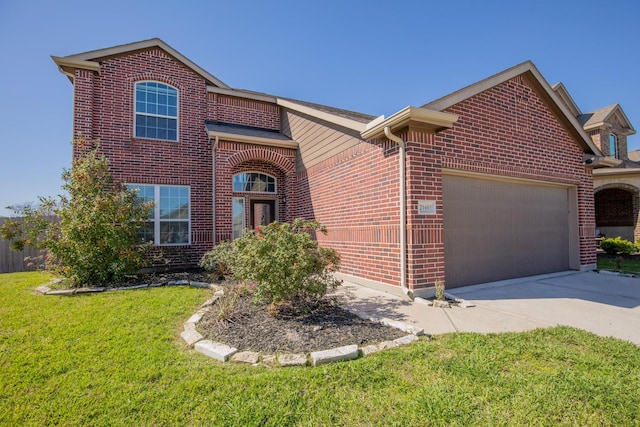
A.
x: 252, y: 327
x: 248, y: 326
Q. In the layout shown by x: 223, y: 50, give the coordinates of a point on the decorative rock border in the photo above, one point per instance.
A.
x: 46, y: 288
x: 225, y: 353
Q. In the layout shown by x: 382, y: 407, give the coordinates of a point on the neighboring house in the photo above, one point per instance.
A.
x: 491, y: 182
x: 617, y: 187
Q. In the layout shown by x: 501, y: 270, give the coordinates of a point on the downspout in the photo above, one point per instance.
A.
x: 403, y: 211
x: 214, y: 147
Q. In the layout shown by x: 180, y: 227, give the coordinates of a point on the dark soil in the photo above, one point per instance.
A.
x: 238, y: 322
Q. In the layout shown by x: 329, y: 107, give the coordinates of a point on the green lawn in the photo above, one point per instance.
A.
x: 116, y: 359
x: 627, y: 265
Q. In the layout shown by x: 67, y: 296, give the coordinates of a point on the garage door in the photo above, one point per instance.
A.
x: 495, y: 230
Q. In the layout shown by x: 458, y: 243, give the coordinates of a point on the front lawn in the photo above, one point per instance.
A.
x: 116, y: 359
x: 628, y: 263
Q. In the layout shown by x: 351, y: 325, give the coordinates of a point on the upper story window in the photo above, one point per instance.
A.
x: 156, y: 111
x: 254, y: 182
x: 613, y: 145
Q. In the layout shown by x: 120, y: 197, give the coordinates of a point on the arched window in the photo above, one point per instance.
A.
x: 156, y: 111
x: 254, y: 182
x: 613, y: 145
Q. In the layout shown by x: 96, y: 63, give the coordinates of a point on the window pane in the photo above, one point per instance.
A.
x: 238, y: 217
x: 145, y: 233
x: 254, y: 182
x: 156, y: 99
x: 174, y: 232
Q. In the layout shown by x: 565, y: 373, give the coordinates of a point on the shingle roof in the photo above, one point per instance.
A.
x: 597, y: 116
x: 347, y: 114
x: 245, y: 131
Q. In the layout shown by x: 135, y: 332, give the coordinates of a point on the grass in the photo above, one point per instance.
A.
x: 627, y: 264
x: 116, y: 359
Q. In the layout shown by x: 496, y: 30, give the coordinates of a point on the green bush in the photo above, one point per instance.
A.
x: 618, y: 245
x: 94, y: 240
x: 283, y: 260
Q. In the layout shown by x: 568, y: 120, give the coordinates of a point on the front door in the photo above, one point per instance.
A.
x: 261, y: 212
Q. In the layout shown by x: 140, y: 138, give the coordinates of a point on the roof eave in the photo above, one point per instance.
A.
x: 242, y: 94
x: 322, y: 115
x: 424, y: 118
x: 522, y: 69
x: 68, y: 66
x: 145, y: 44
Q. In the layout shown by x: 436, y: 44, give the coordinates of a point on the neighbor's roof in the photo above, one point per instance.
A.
x: 600, y: 117
x: 543, y: 88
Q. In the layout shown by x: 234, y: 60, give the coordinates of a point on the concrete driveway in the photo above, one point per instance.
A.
x: 603, y: 303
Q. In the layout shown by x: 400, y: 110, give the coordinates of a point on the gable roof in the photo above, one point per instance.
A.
x: 564, y: 96
x: 544, y: 90
x: 89, y: 60
x: 605, y: 116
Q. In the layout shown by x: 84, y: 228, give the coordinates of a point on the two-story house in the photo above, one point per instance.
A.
x: 491, y: 182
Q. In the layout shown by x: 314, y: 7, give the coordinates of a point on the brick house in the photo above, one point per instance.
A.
x: 490, y: 182
x: 617, y: 188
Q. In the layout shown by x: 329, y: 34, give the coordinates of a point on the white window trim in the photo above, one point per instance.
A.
x: 135, y: 113
x: 156, y: 213
x: 275, y: 183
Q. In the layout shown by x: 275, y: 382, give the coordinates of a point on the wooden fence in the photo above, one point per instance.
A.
x: 12, y: 261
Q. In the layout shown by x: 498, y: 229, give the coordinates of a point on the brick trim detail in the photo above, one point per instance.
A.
x: 264, y: 155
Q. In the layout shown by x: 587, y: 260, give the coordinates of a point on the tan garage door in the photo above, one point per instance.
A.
x: 497, y: 230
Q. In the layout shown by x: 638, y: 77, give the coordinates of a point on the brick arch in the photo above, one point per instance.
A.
x: 618, y: 186
x: 617, y: 205
x: 150, y: 76
x: 264, y: 155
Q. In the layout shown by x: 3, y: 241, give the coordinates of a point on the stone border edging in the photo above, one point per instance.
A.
x: 225, y: 353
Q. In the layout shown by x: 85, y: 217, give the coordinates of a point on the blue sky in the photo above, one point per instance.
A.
x: 372, y: 56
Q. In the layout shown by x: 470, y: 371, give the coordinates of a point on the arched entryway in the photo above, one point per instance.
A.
x: 616, y: 208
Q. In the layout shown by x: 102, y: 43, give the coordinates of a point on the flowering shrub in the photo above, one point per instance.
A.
x: 283, y: 260
x: 94, y: 239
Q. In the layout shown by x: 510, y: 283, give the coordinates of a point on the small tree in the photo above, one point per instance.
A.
x: 93, y: 241
x: 283, y: 260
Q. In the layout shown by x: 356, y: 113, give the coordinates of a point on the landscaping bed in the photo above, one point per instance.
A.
x: 238, y: 322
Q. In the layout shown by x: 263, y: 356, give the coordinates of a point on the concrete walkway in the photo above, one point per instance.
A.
x: 603, y: 303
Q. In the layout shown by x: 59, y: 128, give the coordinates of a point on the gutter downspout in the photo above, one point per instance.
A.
x: 214, y: 147
x: 403, y: 211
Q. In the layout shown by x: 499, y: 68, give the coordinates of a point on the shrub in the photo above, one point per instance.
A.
x: 618, y: 245
x: 219, y: 260
x: 283, y: 260
x: 94, y: 239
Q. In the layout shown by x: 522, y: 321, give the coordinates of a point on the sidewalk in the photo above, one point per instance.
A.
x: 605, y: 304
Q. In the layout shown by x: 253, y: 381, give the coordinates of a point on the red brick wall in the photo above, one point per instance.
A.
x: 232, y: 158
x: 507, y: 130
x: 355, y: 195
x: 104, y: 109
x: 248, y: 112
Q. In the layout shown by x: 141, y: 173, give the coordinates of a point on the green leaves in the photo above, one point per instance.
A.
x: 283, y: 260
x: 89, y: 235
x: 618, y: 245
